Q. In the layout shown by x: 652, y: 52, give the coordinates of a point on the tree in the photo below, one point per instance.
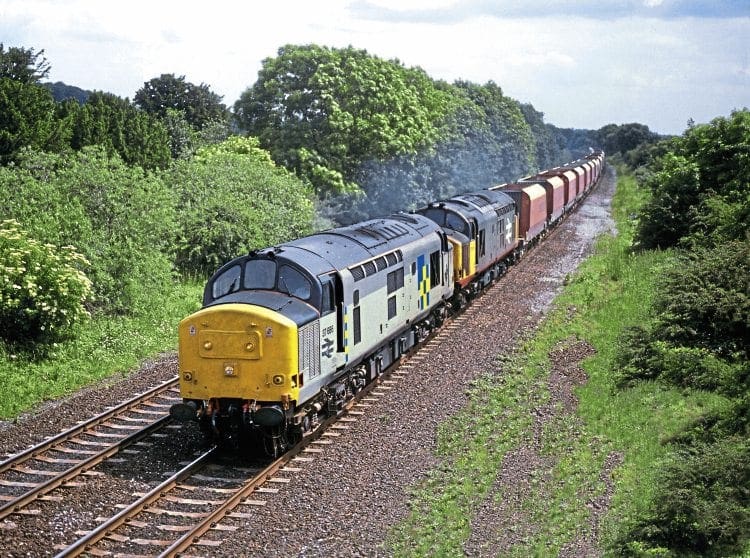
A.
x: 700, y: 191
x: 23, y: 65
x: 112, y: 122
x: 198, y: 103
x: 548, y: 152
x: 324, y: 112
x: 513, y: 152
x: 614, y: 138
x: 27, y: 118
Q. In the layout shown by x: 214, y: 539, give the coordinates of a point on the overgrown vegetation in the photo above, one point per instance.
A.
x: 664, y: 413
x: 42, y: 288
x: 696, y: 339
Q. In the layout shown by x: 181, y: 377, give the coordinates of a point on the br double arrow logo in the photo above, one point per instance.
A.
x: 327, y: 348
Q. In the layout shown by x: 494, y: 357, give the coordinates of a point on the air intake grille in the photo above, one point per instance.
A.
x: 309, y: 350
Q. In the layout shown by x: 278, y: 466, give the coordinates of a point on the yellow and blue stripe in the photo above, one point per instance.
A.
x: 423, y: 281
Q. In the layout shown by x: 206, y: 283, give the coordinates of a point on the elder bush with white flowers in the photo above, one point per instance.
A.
x: 43, y: 290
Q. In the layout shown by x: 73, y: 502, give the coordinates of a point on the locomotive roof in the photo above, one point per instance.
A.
x: 342, y: 247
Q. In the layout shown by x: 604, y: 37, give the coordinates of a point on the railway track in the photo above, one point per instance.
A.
x: 32, y: 474
x: 184, y: 511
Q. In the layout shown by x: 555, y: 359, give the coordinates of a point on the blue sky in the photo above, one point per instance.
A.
x: 583, y: 63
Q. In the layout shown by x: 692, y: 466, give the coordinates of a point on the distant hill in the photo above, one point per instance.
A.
x: 60, y: 91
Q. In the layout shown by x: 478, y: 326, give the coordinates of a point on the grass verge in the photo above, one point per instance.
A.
x: 104, y: 346
x: 611, y: 291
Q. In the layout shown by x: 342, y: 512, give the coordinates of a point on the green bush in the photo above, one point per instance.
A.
x: 702, y: 506
x: 700, y: 189
x: 704, y: 299
x: 42, y: 288
x: 233, y: 199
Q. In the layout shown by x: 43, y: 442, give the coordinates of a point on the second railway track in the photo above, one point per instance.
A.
x: 35, y: 472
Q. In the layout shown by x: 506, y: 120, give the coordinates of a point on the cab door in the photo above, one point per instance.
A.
x: 332, y: 330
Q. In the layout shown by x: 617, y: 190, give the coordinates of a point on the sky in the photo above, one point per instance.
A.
x: 582, y: 63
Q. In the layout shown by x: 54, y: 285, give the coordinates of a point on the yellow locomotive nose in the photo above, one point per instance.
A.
x: 238, y: 351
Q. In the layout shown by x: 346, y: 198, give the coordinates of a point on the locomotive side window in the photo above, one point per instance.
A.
x: 435, y: 267
x: 294, y: 283
x: 227, y: 282
x: 327, y: 301
x: 357, y: 326
x: 260, y: 274
x: 395, y: 280
x: 392, y: 307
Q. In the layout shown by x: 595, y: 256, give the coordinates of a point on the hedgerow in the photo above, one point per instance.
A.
x: 233, y: 199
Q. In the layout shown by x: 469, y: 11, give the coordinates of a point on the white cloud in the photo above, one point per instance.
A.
x: 581, y: 72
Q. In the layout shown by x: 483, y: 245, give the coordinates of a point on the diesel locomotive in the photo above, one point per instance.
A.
x: 287, y: 334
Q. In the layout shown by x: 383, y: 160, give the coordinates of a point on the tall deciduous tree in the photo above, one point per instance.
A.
x: 198, y: 103
x: 23, y: 65
x: 324, y: 112
x: 548, y: 151
x: 512, y: 146
x: 621, y: 138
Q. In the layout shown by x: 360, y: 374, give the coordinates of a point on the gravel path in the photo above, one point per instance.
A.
x: 345, y: 500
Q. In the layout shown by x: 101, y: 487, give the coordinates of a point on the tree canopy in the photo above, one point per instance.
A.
x: 700, y: 187
x: 110, y: 121
x: 323, y: 112
x: 620, y: 138
x: 23, y: 65
x: 27, y: 118
x: 198, y: 103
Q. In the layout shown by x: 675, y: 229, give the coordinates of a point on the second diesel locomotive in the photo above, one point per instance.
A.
x: 288, y: 334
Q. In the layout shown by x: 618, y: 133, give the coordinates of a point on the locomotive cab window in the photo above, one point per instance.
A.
x: 458, y: 224
x: 260, y: 274
x: 227, y: 282
x: 294, y: 283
